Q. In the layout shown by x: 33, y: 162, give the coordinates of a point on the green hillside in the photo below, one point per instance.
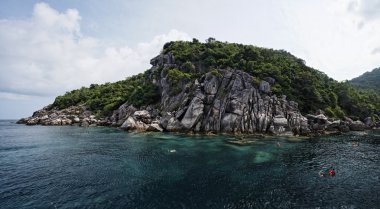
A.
x: 368, y: 81
x: 309, y: 87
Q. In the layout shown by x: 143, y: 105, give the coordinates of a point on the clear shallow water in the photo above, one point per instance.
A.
x: 73, y: 167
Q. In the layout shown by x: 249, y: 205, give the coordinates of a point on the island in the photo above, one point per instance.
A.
x: 219, y: 87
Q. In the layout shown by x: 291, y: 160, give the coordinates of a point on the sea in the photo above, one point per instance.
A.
x: 100, y: 167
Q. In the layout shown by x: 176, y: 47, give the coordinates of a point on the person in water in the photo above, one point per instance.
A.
x: 331, y: 171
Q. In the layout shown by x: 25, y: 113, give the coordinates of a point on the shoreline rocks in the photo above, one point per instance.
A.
x: 76, y: 115
x: 220, y: 101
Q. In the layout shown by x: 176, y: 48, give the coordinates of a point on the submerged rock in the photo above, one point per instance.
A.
x: 262, y: 157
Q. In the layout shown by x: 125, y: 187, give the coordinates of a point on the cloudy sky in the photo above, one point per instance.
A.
x: 50, y: 47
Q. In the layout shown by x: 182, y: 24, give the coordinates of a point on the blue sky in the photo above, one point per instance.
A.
x: 50, y: 47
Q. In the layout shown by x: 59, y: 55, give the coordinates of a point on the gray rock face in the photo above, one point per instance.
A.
x: 227, y: 101
x: 193, y: 113
x: 163, y: 60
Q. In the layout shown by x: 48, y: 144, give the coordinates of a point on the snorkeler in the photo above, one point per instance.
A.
x: 330, y: 170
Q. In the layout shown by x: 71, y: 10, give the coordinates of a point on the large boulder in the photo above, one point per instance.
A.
x: 280, y: 121
x: 129, y: 124
x: 264, y: 86
x: 334, y: 126
x: 32, y: 121
x: 357, y: 126
x: 280, y: 124
x: 143, y: 116
x: 344, y: 128
x: 141, y: 126
x: 174, y: 125
x: 321, y: 118
x: 193, y: 113
x: 154, y: 127
x: 163, y: 60
x: 121, y: 114
x: 369, y: 122
x: 85, y: 123
x: 45, y: 117
x: 56, y: 122
x: 22, y: 121
x: 76, y: 119
x: 66, y: 121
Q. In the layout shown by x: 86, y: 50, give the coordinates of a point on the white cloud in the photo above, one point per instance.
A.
x: 327, y: 36
x: 367, y: 9
x: 376, y: 50
x: 47, y: 55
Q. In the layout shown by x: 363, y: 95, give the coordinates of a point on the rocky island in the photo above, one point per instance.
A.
x: 218, y: 87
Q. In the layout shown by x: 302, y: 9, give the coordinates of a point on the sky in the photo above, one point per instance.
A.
x: 50, y: 47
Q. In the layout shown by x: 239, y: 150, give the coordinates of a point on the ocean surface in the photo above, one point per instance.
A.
x: 74, y: 167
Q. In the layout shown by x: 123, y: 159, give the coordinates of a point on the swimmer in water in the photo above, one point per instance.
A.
x: 332, y: 172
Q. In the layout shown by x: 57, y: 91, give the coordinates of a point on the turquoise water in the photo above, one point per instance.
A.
x: 74, y: 167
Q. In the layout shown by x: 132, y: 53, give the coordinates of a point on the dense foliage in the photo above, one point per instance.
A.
x: 368, y: 81
x: 102, y: 99
x: 309, y: 87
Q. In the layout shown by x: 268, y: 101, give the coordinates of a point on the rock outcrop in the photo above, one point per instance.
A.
x: 70, y: 116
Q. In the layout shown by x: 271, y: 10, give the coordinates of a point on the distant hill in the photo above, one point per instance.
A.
x: 368, y: 81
